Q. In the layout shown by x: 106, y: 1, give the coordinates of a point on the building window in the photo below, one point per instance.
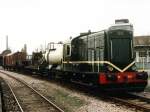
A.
x: 142, y: 54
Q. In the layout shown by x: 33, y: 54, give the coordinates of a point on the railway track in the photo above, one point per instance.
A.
x: 128, y: 99
x: 27, y: 98
x: 133, y: 100
x: 11, y: 102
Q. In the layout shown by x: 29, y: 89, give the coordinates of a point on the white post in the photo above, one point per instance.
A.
x: 143, y: 62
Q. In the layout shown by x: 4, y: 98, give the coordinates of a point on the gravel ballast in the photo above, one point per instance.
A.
x: 69, y: 99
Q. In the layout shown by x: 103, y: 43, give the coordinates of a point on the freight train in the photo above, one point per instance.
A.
x: 104, y: 59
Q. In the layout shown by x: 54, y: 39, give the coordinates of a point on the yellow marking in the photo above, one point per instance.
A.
x: 117, y: 68
x: 128, y: 66
x: 98, y: 62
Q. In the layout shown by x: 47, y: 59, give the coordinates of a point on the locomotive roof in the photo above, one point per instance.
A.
x: 126, y: 26
x: 86, y: 34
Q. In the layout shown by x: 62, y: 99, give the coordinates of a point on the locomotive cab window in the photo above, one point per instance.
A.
x: 68, y: 50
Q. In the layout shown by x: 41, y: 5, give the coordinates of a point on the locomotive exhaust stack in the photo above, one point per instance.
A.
x: 120, y: 21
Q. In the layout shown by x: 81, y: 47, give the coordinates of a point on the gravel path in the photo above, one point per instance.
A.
x: 71, y: 100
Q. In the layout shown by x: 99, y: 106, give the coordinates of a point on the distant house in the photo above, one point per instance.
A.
x: 142, y: 49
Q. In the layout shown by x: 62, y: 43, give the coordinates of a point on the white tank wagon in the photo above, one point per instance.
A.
x: 54, y: 54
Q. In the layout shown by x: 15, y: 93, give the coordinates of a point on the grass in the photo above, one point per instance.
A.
x: 70, y: 103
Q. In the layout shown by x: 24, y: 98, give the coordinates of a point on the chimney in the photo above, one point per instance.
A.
x: 6, y: 42
x: 25, y: 48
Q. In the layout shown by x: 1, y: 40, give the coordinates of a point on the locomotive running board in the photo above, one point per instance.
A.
x: 99, y: 62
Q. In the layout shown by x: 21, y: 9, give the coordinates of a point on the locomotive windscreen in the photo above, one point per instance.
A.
x: 121, y: 47
x: 120, y: 50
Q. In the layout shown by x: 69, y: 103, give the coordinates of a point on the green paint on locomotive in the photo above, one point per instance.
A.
x: 114, y: 45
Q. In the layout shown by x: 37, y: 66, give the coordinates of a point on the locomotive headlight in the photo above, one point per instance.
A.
x: 110, y: 68
x: 130, y: 76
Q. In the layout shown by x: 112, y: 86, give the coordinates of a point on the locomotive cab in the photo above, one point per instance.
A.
x: 120, y: 54
x: 120, y: 42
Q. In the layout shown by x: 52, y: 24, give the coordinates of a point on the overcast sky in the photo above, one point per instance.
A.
x: 37, y: 22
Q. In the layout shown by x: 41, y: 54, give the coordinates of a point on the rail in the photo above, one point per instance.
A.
x: 21, y: 110
x: 42, y: 96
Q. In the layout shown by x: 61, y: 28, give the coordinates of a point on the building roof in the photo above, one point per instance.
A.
x: 141, y: 40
